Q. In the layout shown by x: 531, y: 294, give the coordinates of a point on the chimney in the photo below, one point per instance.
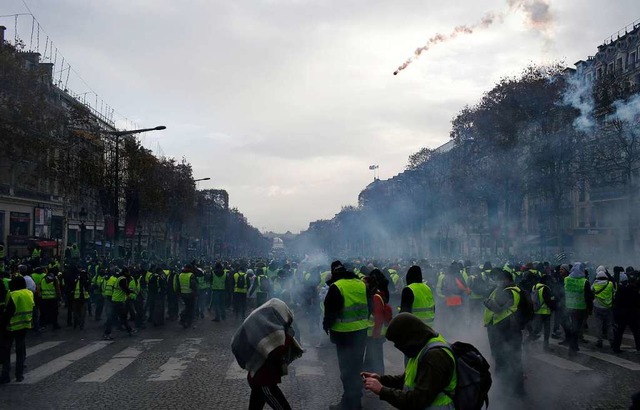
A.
x: 47, y: 72
x: 2, y: 29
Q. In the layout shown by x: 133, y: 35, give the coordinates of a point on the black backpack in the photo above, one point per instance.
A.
x: 474, y: 377
x: 242, y: 280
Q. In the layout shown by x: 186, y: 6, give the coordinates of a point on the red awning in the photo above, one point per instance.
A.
x: 47, y: 244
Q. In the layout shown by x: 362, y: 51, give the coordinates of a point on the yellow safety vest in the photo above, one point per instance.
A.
x: 22, y: 318
x: 118, y: 295
x: 603, y: 294
x: 355, y: 312
x: 544, y: 309
x: 494, y: 318
x: 218, y: 282
x: 443, y: 400
x: 185, y: 282
x: 109, y: 286
x: 76, y: 292
x: 574, y: 293
x: 237, y: 289
x: 47, y: 289
x: 423, y: 307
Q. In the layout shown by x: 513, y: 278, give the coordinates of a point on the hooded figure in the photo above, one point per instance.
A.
x: 434, y: 369
x: 264, y: 345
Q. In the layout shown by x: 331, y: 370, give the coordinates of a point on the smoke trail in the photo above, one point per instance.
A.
x: 537, y: 12
x: 486, y: 21
x: 628, y: 111
x: 579, y: 95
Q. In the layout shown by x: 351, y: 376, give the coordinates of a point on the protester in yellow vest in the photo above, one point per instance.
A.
x: 427, y: 355
x: 188, y: 289
x: 544, y: 304
x: 603, y: 292
x: 80, y: 299
x: 504, y: 331
x: 578, y: 299
x: 417, y: 297
x: 346, y: 313
x: 15, y: 322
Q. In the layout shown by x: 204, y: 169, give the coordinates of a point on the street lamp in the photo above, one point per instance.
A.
x: 116, y: 196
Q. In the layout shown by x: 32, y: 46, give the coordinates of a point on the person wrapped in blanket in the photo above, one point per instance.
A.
x: 264, y: 345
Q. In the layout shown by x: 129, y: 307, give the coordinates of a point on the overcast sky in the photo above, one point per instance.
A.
x: 286, y: 103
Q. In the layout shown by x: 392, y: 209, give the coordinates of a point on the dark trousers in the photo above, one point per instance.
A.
x: 558, y: 318
x: 271, y: 395
x: 575, y: 323
x: 203, y: 297
x: 541, y: 322
x: 138, y: 305
x: 49, y: 312
x: 374, y: 355
x: 99, y: 300
x: 69, y: 305
x: 217, y: 300
x: 6, y: 341
x: 79, y: 313
x: 240, y: 304
x: 350, y: 347
x: 121, y: 311
x: 172, y: 306
x: 110, y: 316
x: 621, y: 321
x: 186, y: 316
x: 505, y: 340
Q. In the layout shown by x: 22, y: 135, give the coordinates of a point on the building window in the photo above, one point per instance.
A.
x: 19, y: 223
x: 592, y: 217
x: 582, y: 217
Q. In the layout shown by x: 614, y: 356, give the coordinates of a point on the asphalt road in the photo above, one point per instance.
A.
x: 172, y: 367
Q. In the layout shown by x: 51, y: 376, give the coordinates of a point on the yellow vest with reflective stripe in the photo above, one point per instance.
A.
x: 185, y: 282
x: 443, y: 399
x: 109, y: 286
x: 355, y: 312
x: 218, y: 282
x: 574, y: 293
x: 603, y: 294
x: 21, y: 319
x: 494, y: 318
x: 423, y: 307
x: 47, y: 290
x: 237, y: 289
x: 76, y: 292
x: 118, y: 295
x: 544, y: 309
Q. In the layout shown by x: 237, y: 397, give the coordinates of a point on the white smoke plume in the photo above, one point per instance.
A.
x: 627, y: 111
x: 538, y: 17
x: 579, y: 95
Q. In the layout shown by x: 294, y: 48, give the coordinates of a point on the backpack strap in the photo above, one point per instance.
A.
x: 442, y: 345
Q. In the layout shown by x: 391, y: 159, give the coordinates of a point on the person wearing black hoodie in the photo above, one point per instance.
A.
x: 434, y: 378
x: 346, y: 311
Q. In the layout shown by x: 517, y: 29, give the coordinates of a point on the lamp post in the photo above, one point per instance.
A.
x: 83, y: 229
x: 116, y: 196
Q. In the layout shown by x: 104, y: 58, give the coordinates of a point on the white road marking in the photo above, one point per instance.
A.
x: 63, y: 362
x: 605, y: 342
x: 118, y: 363
x: 235, y: 372
x: 34, y: 350
x: 303, y: 370
x: 618, y: 361
x: 176, y: 365
x: 561, y: 363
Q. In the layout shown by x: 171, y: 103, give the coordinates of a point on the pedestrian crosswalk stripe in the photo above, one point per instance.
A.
x: 304, y: 370
x: 595, y: 339
x: 62, y: 362
x: 34, y: 350
x: 118, y: 363
x: 176, y: 365
x: 561, y: 363
x: 235, y: 372
x: 618, y: 361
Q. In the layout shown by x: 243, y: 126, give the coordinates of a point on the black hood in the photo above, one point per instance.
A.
x: 409, y: 334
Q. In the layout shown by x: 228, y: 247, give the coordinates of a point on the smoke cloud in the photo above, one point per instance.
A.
x: 579, y: 95
x: 627, y: 111
x: 538, y: 17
